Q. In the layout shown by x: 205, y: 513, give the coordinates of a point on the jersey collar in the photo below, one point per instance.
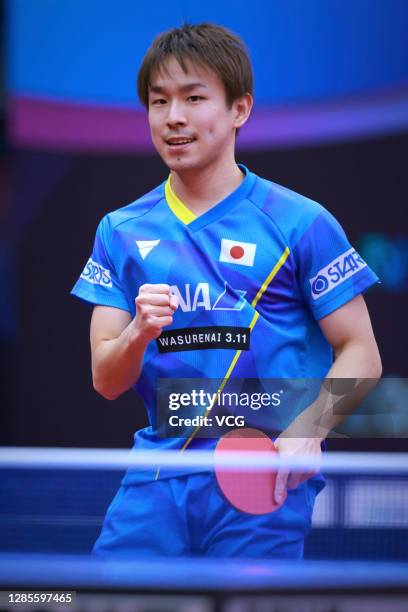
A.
x: 176, y: 205
x: 186, y: 216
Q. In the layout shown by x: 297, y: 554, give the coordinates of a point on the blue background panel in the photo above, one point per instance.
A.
x: 302, y: 51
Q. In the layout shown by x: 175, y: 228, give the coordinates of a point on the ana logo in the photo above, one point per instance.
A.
x: 145, y: 246
x: 235, y: 252
x: 339, y: 270
x: 96, y: 274
x: 193, y: 299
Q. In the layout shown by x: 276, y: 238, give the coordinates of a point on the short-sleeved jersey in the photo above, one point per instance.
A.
x: 265, y: 261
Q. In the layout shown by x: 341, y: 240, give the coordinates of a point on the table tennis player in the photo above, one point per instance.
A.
x: 219, y: 249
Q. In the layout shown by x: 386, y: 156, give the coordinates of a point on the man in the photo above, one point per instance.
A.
x: 216, y: 248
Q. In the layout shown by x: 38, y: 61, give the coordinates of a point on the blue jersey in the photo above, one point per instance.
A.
x: 253, y: 274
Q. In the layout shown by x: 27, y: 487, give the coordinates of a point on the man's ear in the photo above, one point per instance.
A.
x: 242, y: 109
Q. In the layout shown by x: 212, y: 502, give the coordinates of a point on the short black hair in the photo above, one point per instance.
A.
x: 209, y: 45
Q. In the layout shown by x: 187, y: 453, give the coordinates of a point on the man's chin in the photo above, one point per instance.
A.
x: 178, y: 164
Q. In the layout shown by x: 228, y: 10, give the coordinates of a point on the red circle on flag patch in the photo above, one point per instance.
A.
x: 237, y: 252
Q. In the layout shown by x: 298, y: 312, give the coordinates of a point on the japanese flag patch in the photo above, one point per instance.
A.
x: 236, y: 252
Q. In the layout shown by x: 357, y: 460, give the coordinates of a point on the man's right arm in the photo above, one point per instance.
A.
x: 118, y: 342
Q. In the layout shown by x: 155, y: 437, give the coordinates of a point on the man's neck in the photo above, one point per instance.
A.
x: 202, y: 189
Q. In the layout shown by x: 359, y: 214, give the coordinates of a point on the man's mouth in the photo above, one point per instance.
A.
x: 179, y: 141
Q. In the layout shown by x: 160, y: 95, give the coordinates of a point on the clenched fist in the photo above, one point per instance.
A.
x: 155, y: 306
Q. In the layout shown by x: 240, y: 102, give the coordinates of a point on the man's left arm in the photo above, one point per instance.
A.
x: 349, y: 332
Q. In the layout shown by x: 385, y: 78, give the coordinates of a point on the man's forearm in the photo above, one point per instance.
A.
x: 116, y: 363
x: 336, y: 400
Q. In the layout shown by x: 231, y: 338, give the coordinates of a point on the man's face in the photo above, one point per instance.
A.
x: 190, y: 122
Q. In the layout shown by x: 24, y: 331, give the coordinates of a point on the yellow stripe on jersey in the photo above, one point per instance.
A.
x: 176, y: 205
x: 271, y: 276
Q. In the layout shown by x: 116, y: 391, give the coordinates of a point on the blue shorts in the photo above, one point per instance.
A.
x: 189, y: 516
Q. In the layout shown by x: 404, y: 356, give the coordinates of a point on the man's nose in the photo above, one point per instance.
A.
x: 176, y: 114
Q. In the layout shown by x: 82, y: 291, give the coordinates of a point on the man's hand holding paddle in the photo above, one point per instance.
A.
x: 259, y: 491
x: 292, y: 448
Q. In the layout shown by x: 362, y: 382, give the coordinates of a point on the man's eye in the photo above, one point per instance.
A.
x: 195, y: 98
x: 158, y: 102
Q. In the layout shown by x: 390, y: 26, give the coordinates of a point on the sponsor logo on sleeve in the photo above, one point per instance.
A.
x: 96, y: 274
x: 336, y: 272
x: 235, y: 252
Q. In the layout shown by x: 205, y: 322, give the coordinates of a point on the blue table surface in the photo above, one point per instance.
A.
x: 186, y: 574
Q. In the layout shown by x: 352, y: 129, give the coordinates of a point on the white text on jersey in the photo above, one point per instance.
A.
x: 191, y: 298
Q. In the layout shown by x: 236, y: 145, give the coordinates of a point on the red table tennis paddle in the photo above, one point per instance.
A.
x: 250, y: 491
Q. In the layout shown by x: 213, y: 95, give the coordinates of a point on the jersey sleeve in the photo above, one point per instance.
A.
x: 99, y: 283
x: 331, y: 272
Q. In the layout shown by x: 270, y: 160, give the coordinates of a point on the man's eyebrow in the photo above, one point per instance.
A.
x: 182, y: 88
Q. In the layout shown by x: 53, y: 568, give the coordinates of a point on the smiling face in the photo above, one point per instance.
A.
x: 191, y: 124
